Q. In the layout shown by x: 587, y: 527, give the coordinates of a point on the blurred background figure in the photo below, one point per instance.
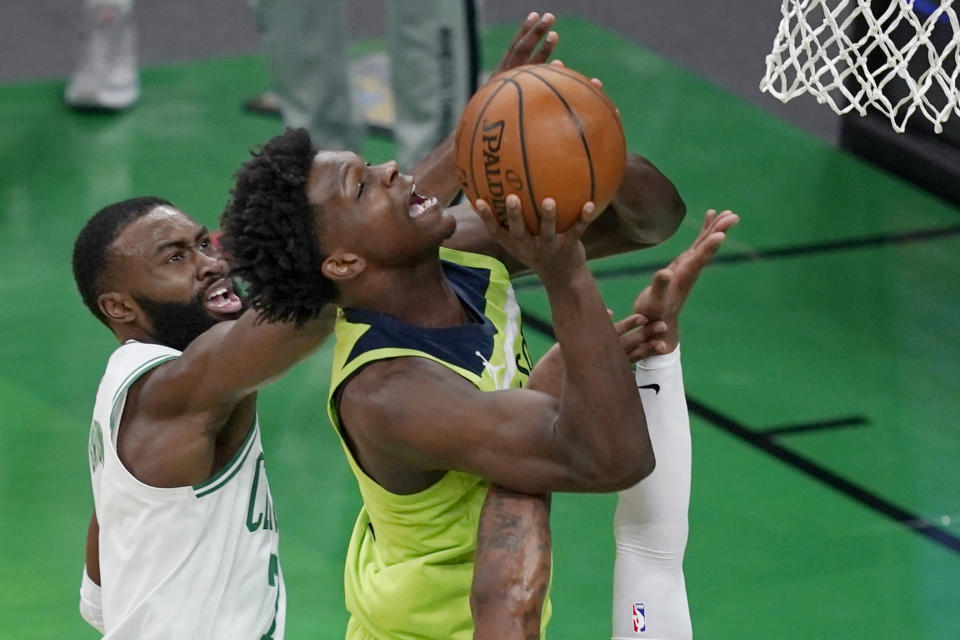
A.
x: 433, y: 53
x: 106, y: 76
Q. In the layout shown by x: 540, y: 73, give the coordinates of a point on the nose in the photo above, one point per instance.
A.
x: 389, y: 173
x: 209, y: 264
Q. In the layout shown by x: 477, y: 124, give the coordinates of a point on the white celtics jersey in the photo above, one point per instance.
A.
x: 194, y: 562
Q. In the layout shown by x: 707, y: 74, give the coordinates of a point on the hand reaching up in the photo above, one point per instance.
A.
x: 523, y: 50
x: 664, y: 298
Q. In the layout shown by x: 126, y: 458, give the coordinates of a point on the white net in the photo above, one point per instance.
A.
x: 900, y: 57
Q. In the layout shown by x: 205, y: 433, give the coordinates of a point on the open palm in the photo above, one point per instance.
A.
x: 664, y: 297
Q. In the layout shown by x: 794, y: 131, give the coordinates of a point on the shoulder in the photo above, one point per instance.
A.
x: 169, y: 388
x: 190, y: 361
x: 474, y: 260
x: 133, y: 355
x: 131, y: 361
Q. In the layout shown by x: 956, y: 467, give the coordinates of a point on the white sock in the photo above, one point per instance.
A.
x: 650, y: 526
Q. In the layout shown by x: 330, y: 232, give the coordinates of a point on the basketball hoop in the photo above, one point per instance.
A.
x: 899, y: 57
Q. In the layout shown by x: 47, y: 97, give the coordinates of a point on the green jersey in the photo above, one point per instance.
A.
x: 410, y: 561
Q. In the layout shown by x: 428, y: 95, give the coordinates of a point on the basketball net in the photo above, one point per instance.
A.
x: 899, y: 60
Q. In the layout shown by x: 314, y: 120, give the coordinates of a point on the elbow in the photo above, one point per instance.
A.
x: 673, y: 211
x: 632, y: 458
x: 649, y: 203
x: 629, y: 475
x: 669, y: 223
x: 677, y: 210
x: 620, y: 473
x: 643, y: 466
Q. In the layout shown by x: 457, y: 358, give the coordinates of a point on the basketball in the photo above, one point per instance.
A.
x: 540, y: 131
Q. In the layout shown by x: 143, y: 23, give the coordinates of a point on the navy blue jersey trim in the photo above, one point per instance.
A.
x: 455, y: 345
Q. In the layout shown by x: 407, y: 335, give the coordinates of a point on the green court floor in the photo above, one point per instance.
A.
x: 820, y: 352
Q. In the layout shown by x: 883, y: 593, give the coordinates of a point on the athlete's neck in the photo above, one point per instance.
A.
x: 420, y: 295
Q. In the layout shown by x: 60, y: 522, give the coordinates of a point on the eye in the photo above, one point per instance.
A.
x: 177, y: 257
x: 360, y: 188
x: 204, y: 244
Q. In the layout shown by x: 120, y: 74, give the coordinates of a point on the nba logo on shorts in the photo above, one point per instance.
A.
x: 639, y: 619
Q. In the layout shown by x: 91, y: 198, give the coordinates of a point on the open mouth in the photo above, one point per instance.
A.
x: 419, y: 205
x: 221, y: 298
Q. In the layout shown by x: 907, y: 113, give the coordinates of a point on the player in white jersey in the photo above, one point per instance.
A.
x: 215, y: 540
x: 183, y: 542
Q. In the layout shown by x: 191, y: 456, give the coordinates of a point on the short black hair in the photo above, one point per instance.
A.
x: 269, y: 233
x: 91, y: 249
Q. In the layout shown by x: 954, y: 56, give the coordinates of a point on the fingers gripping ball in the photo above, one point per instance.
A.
x: 540, y: 131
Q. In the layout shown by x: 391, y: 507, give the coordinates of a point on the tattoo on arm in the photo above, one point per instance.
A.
x: 512, y: 565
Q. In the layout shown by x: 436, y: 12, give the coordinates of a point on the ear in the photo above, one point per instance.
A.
x: 117, y: 307
x: 343, y: 265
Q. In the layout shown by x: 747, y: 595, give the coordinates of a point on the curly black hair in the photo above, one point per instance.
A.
x: 269, y: 232
x: 91, y: 250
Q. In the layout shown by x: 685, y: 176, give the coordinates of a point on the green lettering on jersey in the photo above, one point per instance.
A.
x: 273, y: 570
x: 264, y: 514
x: 95, y: 446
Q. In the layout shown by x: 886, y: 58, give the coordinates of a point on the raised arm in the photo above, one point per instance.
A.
x: 435, y: 175
x: 653, y: 328
x: 593, y: 438
x: 646, y: 210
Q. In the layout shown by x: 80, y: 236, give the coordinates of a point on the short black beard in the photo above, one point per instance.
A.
x: 177, y: 324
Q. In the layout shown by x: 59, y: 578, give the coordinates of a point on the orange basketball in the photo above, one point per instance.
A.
x: 540, y: 131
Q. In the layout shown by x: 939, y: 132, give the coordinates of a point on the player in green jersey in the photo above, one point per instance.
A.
x: 426, y: 392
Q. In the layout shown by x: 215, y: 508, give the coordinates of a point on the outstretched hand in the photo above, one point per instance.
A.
x: 550, y: 254
x: 662, y: 300
x: 523, y: 50
x: 653, y: 328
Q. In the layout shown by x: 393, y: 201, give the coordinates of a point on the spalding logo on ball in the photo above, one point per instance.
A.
x: 540, y: 131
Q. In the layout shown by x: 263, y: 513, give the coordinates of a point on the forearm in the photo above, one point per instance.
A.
x: 257, y: 353
x: 232, y: 360
x: 436, y: 175
x: 600, y: 412
x: 511, y: 566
